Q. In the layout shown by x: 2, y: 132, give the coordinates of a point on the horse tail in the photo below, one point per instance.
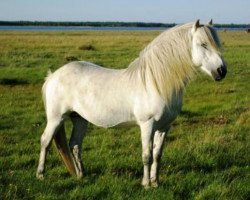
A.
x: 64, y: 151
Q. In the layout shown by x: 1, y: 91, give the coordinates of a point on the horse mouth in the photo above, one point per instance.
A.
x: 218, y: 78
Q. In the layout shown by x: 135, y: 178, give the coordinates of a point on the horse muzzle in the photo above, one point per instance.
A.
x: 220, y: 73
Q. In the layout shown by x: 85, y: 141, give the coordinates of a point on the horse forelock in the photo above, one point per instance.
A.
x: 210, y: 36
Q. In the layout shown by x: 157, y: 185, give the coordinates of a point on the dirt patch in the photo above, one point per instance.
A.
x: 219, y: 120
x: 87, y: 47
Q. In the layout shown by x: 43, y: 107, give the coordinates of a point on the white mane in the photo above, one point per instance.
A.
x: 166, y: 63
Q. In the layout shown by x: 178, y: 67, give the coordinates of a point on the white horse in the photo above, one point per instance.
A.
x: 149, y: 93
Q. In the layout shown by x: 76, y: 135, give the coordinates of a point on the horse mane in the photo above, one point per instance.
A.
x: 166, y: 63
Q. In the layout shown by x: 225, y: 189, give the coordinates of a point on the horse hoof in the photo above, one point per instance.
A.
x: 146, y: 184
x: 146, y: 187
x: 39, y: 176
x: 154, y: 185
x: 79, y: 176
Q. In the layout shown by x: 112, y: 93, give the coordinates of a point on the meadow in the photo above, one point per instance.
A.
x: 207, y: 151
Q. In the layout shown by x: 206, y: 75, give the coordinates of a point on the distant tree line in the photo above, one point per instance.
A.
x: 107, y: 24
x: 232, y: 25
x: 97, y: 24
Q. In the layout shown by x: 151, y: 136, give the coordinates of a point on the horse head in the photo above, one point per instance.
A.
x: 206, y: 51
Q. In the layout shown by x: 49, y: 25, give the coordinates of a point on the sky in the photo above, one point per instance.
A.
x: 163, y: 11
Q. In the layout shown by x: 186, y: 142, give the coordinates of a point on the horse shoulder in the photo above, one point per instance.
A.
x: 154, y: 107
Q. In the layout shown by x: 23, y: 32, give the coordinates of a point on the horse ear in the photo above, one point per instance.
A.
x: 210, y: 23
x: 196, y: 25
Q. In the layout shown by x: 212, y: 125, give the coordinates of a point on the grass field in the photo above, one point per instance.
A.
x: 207, y: 155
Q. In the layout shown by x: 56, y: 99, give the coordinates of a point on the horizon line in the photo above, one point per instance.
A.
x: 129, y: 22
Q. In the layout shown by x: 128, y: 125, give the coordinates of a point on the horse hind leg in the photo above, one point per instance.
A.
x: 78, y: 132
x: 46, y: 139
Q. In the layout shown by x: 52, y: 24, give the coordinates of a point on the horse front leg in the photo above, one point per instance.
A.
x: 159, y: 138
x: 78, y: 132
x: 146, y: 138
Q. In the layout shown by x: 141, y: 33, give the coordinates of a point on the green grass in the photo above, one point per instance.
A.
x: 207, y: 154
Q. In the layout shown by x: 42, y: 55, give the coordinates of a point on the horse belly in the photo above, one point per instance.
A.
x: 103, y: 114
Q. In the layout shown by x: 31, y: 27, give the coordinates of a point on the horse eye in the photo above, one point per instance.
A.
x: 204, y: 45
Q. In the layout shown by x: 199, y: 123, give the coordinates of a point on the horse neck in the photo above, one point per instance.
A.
x: 165, y: 64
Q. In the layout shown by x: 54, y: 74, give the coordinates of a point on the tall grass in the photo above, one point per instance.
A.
x: 207, y: 150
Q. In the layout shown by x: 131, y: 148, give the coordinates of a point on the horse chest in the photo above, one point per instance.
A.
x: 171, y: 110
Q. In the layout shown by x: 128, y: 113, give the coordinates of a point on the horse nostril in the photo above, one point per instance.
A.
x: 222, y: 71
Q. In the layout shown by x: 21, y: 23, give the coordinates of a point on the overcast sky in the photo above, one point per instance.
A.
x: 165, y: 11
